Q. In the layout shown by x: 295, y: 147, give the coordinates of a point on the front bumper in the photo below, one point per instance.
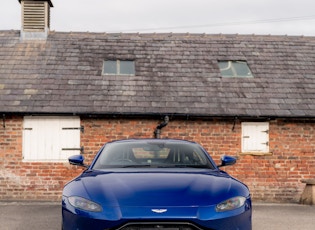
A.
x: 193, y: 219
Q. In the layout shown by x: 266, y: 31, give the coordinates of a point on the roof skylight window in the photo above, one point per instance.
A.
x: 238, y: 69
x: 118, y: 67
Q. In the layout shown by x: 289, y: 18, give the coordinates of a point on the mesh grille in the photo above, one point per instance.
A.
x: 163, y: 226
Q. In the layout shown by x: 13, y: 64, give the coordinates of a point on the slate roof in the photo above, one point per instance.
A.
x: 175, y: 74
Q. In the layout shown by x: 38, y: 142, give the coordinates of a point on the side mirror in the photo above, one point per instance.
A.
x: 77, y: 160
x: 227, y: 160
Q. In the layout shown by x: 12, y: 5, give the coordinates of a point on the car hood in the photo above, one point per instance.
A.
x: 158, y: 189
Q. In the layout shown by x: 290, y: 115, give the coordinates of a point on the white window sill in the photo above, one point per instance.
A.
x: 257, y: 153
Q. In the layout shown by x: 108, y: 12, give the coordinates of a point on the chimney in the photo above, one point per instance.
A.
x: 35, y: 19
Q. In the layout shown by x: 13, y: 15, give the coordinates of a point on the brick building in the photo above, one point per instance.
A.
x: 62, y: 94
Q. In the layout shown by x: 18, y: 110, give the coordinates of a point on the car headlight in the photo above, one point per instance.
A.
x: 230, y: 204
x: 84, y: 204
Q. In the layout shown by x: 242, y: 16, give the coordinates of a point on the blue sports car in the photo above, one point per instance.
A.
x: 144, y: 184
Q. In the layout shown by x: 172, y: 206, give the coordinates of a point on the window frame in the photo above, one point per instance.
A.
x: 118, y: 67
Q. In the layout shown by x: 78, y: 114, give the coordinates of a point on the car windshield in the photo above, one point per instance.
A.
x: 152, y: 155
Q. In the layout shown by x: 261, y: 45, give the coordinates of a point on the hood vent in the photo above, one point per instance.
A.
x: 35, y: 19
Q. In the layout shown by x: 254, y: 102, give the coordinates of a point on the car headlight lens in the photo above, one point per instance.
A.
x: 230, y: 204
x: 84, y: 204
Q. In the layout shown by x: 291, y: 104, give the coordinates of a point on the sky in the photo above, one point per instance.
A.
x: 261, y: 17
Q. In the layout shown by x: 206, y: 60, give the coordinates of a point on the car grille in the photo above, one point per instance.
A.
x: 163, y: 226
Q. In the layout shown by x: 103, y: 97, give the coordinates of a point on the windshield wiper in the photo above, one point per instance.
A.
x: 182, y: 166
x: 192, y: 166
x: 164, y: 166
x: 135, y: 166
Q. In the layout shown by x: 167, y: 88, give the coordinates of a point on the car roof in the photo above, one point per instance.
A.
x: 165, y: 140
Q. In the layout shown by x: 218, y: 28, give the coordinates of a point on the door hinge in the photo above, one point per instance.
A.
x: 265, y: 143
x: 81, y: 128
x: 81, y: 149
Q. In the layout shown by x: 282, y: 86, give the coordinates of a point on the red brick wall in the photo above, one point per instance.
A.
x: 27, y: 180
x: 271, y: 178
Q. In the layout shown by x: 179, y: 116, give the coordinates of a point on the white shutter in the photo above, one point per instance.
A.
x: 44, y: 138
x: 255, y: 137
x: 69, y: 136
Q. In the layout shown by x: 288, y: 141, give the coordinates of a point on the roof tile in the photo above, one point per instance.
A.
x: 175, y: 74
